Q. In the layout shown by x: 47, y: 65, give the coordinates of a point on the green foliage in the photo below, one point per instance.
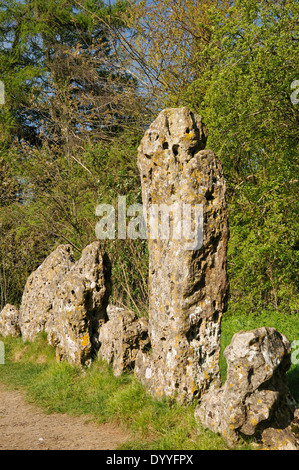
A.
x: 74, y: 117
x: 244, y: 95
x: 69, y: 132
x: 51, y: 52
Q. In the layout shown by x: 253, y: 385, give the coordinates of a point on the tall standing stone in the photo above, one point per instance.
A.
x: 187, y: 282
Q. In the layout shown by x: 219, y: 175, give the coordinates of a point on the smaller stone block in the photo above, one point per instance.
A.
x: 255, y: 395
x: 122, y: 337
x: 9, y: 321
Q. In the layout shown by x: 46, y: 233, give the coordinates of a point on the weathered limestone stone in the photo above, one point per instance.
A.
x: 79, y: 307
x: 279, y: 439
x: 187, y: 282
x: 40, y: 291
x: 122, y: 337
x: 255, y: 395
x: 68, y: 300
x: 295, y: 423
x: 9, y: 321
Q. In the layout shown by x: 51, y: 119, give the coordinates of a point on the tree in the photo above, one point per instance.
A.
x: 165, y: 41
x: 61, y: 69
x: 234, y: 63
x: 68, y: 98
x: 244, y: 96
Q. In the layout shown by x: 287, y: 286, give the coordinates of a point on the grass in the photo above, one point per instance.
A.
x: 99, y: 396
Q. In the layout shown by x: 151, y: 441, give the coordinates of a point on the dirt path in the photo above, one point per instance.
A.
x: 26, y: 427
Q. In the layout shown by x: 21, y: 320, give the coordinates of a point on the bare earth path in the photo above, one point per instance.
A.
x: 26, y: 427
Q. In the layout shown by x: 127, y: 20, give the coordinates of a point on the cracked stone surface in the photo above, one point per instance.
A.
x: 255, y: 395
x: 187, y: 280
x: 68, y: 300
x: 9, y: 321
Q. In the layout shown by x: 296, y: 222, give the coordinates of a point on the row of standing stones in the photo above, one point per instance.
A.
x: 175, y: 352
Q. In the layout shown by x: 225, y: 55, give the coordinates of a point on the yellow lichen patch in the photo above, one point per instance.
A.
x: 193, y: 387
x: 206, y: 374
x: 85, y: 340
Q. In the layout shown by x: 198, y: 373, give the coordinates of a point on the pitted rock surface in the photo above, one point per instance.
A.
x: 187, y: 283
x: 36, y: 309
x: 122, y: 337
x: 68, y: 300
x: 9, y: 321
x: 255, y: 395
x: 79, y: 307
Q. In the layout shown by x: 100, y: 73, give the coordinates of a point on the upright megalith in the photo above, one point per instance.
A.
x: 187, y: 256
x: 79, y: 307
x: 36, y: 309
x: 68, y: 301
